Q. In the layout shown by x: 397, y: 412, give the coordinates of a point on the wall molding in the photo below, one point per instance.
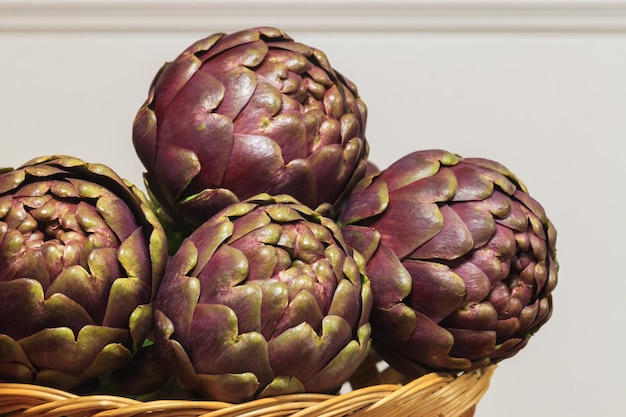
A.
x: 318, y: 16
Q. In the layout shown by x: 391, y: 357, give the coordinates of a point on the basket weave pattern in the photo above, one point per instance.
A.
x: 432, y: 395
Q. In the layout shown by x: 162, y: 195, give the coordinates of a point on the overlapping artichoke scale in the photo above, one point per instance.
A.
x: 249, y: 101
x: 15, y: 365
x: 82, y: 255
x: 229, y: 387
x: 267, y: 296
x: 42, y: 357
x: 462, y: 260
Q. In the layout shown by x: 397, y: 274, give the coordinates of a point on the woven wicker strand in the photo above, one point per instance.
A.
x: 433, y: 395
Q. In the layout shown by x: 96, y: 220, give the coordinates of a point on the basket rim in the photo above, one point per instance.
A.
x: 432, y: 395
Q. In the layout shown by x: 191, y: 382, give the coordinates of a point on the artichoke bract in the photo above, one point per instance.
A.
x: 461, y: 261
x: 263, y: 299
x: 236, y: 115
x: 81, y: 257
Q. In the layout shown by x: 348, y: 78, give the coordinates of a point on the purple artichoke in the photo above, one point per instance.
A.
x: 251, y: 112
x: 263, y: 299
x: 81, y: 256
x: 461, y: 260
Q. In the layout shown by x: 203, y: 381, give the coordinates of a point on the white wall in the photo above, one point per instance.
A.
x: 539, y: 87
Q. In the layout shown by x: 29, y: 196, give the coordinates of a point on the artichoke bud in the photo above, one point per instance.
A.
x: 263, y: 299
x: 251, y: 112
x: 81, y: 257
x: 461, y: 261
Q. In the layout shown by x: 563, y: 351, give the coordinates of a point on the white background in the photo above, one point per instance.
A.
x: 541, y: 90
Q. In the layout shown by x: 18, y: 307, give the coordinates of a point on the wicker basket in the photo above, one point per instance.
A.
x: 375, y: 392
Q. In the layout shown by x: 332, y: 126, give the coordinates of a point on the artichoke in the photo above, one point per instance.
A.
x: 263, y: 299
x: 81, y: 257
x: 246, y: 113
x: 461, y: 261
